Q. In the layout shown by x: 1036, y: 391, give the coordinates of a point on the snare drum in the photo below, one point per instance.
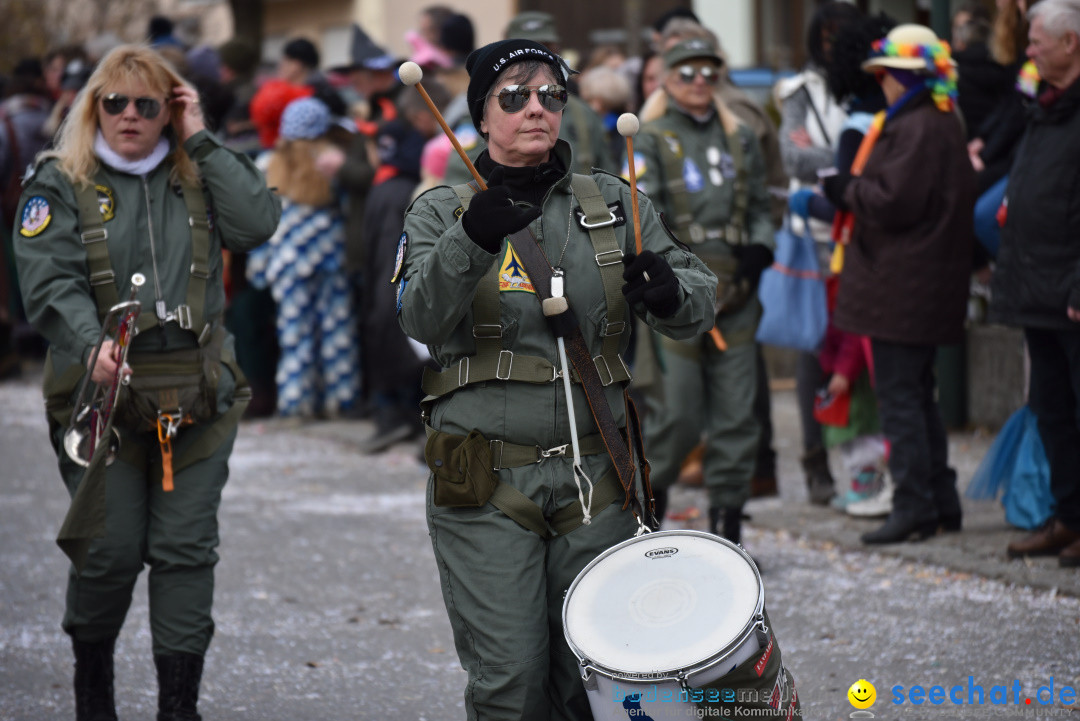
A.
x: 658, y: 615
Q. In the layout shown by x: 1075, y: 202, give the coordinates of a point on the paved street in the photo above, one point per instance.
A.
x: 328, y: 606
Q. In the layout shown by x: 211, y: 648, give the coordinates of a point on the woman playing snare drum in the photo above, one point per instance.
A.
x: 507, y: 507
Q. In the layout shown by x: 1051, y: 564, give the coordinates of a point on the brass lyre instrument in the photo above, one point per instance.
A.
x: 91, y: 421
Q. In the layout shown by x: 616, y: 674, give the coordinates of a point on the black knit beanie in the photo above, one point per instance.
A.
x: 485, y: 64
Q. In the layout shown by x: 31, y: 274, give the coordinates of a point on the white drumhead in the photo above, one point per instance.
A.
x: 664, y: 601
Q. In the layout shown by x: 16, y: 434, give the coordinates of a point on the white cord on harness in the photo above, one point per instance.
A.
x: 579, y: 472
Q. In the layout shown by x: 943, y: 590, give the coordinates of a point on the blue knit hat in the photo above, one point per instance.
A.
x: 306, y: 118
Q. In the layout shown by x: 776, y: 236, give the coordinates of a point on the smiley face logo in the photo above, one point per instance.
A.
x: 862, y: 694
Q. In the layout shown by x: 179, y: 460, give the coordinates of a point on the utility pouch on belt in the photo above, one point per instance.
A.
x: 181, y: 382
x: 730, y: 296
x: 464, y: 474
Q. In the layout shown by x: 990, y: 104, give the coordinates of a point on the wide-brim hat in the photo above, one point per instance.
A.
x: 691, y: 49
x: 909, y: 47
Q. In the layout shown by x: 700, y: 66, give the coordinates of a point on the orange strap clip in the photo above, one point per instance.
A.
x: 165, y: 432
x: 717, y: 339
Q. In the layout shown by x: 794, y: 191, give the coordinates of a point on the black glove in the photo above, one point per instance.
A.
x: 834, y: 188
x: 492, y: 214
x: 660, y: 293
x: 753, y: 260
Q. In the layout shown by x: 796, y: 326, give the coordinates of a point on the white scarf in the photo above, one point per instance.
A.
x: 135, y: 167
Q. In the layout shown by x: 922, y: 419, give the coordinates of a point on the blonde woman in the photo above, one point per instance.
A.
x: 304, y: 267
x: 136, y: 185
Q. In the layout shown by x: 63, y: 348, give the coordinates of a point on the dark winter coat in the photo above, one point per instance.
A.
x: 906, y: 270
x: 391, y: 362
x: 982, y: 84
x: 1038, y: 271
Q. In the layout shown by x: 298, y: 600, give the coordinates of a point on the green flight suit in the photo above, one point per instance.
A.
x: 502, y: 583
x: 581, y: 127
x: 175, y: 532
x: 704, y: 390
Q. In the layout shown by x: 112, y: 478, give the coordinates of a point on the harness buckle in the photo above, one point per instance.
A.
x: 182, y: 315
x: 553, y: 452
x: 603, y: 369
x: 496, y: 447
x: 602, y: 224
x: 102, y: 277
x: 481, y: 330
x: 509, y: 365
x: 95, y: 235
x: 610, y: 329
x: 463, y: 372
x: 617, y: 253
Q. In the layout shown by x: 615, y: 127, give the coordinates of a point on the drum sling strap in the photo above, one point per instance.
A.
x: 85, y: 519
x: 492, y: 362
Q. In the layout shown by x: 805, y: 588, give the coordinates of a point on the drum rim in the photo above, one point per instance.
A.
x: 756, y: 621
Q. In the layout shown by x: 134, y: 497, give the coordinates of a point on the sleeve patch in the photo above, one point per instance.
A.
x: 399, y: 261
x: 35, y: 216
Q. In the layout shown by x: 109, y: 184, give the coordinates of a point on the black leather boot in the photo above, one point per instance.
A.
x: 732, y: 523
x: 898, y: 530
x: 94, y: 699
x: 178, y: 683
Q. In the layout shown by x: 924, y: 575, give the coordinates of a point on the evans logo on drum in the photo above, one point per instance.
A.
x: 662, y: 552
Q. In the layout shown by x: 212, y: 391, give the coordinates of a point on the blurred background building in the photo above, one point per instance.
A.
x: 755, y: 33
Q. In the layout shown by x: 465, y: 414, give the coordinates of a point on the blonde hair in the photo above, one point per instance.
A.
x: 292, y: 171
x: 74, y: 149
x: 1010, y: 34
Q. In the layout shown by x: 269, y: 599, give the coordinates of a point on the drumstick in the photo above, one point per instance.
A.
x: 628, y: 125
x: 411, y: 74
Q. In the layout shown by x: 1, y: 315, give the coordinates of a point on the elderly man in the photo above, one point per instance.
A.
x: 1037, y: 282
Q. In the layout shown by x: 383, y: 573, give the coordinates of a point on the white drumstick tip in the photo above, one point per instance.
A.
x: 410, y: 73
x: 628, y: 125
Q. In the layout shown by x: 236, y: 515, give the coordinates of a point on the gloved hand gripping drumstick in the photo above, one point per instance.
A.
x: 649, y: 279
x: 501, y: 217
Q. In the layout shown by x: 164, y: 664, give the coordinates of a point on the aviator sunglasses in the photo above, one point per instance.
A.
x: 114, y: 104
x: 709, y: 74
x: 514, y: 98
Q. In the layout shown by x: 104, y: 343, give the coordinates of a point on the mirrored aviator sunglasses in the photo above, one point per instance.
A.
x: 709, y: 74
x: 114, y: 104
x: 514, y: 98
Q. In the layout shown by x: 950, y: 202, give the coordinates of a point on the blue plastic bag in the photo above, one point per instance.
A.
x: 1016, y: 467
x: 792, y: 295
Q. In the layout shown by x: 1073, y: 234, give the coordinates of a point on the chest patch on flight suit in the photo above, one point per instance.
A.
x: 615, y: 209
x: 727, y: 165
x: 35, y: 216
x: 512, y: 275
x: 692, y: 176
x: 673, y: 143
x: 399, y: 261
x: 106, y: 202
